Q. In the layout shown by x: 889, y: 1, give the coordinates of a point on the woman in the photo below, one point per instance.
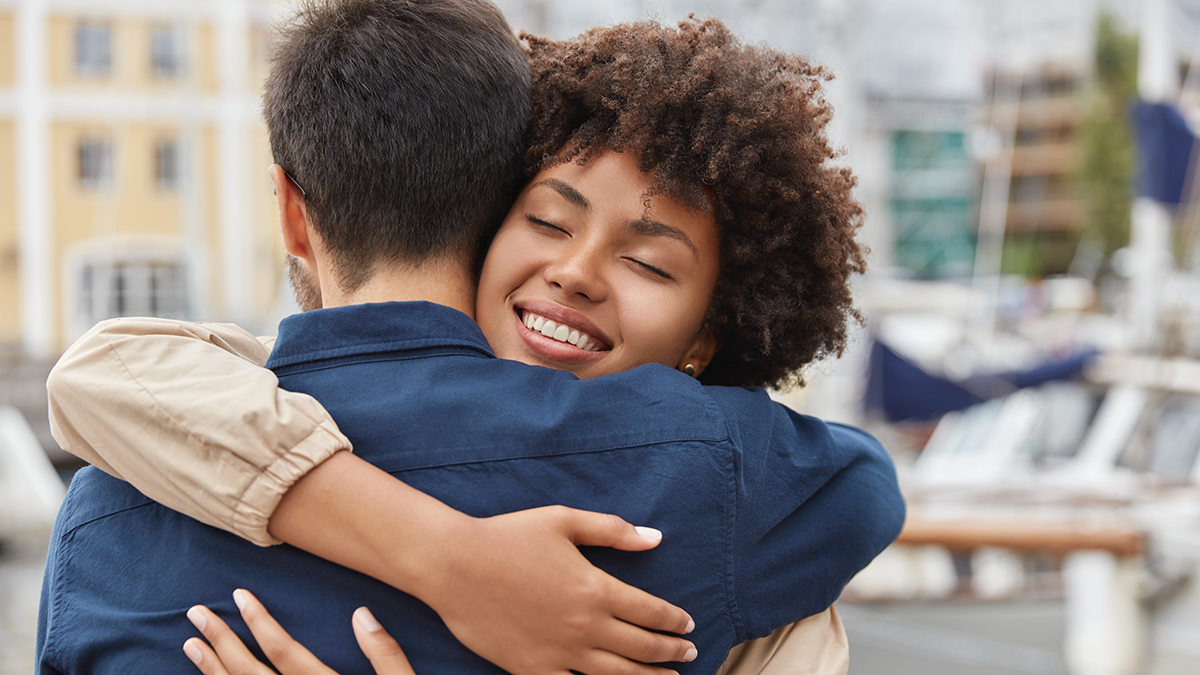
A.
x: 683, y: 212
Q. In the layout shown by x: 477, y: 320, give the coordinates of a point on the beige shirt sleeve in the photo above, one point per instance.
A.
x: 815, y: 646
x: 187, y: 414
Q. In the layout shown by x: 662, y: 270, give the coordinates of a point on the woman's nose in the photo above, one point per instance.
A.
x: 579, y: 271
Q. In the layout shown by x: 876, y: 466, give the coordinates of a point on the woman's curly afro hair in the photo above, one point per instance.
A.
x: 736, y: 128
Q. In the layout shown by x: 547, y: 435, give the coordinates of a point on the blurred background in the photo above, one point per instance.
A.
x: 1031, y: 348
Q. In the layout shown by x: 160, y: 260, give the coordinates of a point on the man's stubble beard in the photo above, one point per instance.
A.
x: 303, y: 285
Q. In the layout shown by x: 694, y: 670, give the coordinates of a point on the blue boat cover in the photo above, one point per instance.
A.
x: 902, y: 391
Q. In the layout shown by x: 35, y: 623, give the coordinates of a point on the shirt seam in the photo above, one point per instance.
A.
x: 51, y: 653
x: 50, y: 649
x: 730, y: 586
x: 623, y: 445
x: 108, y: 514
x: 735, y: 610
x: 441, y: 346
x: 307, y: 366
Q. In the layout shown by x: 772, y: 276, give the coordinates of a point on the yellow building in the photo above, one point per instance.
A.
x: 133, y: 166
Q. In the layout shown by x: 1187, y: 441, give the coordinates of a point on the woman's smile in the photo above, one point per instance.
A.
x: 560, y: 332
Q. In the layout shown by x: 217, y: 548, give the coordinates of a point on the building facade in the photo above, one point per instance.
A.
x: 133, y: 166
x: 1038, y: 113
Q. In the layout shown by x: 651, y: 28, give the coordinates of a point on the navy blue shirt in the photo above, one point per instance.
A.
x: 765, y: 514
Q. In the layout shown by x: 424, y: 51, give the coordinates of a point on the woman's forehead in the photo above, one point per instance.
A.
x: 687, y: 191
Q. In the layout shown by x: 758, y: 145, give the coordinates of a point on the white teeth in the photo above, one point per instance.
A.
x: 560, y: 332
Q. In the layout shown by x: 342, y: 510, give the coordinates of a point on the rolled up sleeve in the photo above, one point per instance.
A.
x: 187, y: 414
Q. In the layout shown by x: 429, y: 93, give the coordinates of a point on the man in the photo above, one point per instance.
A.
x: 380, y: 218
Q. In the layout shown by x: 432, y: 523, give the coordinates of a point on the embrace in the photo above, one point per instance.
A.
x: 544, y: 283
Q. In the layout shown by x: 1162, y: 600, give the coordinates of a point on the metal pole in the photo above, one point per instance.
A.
x: 1149, y: 239
x: 993, y: 208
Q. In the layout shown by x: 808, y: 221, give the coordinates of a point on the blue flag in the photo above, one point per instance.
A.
x: 1164, y: 151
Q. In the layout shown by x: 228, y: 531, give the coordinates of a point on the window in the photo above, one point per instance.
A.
x: 932, y: 202
x: 167, y: 164
x: 95, y: 164
x: 93, y: 49
x: 132, y: 287
x: 166, y: 51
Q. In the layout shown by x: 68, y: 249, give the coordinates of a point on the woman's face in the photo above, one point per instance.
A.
x: 583, y: 277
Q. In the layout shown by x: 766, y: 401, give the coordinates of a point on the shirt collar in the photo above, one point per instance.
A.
x: 372, y: 328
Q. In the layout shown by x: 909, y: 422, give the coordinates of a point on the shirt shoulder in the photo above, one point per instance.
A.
x: 758, y: 423
x: 93, y: 495
x: 815, y: 503
x: 489, y: 410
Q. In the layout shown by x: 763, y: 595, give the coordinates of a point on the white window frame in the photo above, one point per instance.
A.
x: 126, y: 276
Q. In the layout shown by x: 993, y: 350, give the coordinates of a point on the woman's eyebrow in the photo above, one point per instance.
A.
x: 568, y: 193
x: 653, y: 228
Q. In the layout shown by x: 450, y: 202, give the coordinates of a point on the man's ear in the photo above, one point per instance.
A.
x: 698, y: 355
x: 293, y: 215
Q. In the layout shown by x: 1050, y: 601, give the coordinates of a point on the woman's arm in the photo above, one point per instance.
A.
x: 186, y: 413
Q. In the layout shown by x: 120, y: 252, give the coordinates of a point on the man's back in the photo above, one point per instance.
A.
x: 722, y: 472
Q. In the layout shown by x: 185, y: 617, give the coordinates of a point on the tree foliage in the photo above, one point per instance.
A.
x: 1107, y: 152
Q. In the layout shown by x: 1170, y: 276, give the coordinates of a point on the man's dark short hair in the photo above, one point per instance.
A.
x: 404, y: 122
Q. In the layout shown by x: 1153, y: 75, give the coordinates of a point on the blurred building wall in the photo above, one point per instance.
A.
x: 133, y: 166
x: 1041, y: 107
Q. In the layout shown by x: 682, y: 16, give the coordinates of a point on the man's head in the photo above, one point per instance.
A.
x: 403, y: 124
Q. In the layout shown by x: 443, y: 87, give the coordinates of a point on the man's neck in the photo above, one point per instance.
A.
x: 443, y: 282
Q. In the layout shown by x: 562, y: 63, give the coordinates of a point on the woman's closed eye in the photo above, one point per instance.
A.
x: 545, y: 224
x: 657, y: 271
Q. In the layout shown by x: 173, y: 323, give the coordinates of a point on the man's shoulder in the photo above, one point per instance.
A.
x: 757, y: 420
x: 93, y: 495
x: 505, y: 410
x: 648, y: 404
x: 652, y: 396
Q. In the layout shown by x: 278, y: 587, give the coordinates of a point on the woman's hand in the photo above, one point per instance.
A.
x: 290, y: 657
x: 513, y: 588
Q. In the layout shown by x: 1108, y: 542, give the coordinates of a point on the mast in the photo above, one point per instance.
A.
x: 1151, y: 226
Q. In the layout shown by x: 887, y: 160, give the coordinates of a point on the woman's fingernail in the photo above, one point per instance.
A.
x: 366, y: 620
x: 193, y: 652
x: 197, y: 618
x: 691, y: 626
x: 239, y: 598
x: 649, y: 533
x: 690, y: 655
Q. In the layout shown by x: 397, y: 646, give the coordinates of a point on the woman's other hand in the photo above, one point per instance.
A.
x: 231, y: 657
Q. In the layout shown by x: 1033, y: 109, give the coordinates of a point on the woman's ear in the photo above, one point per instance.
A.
x: 704, y: 346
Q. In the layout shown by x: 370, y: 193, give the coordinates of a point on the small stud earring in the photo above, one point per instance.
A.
x: 689, y: 370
